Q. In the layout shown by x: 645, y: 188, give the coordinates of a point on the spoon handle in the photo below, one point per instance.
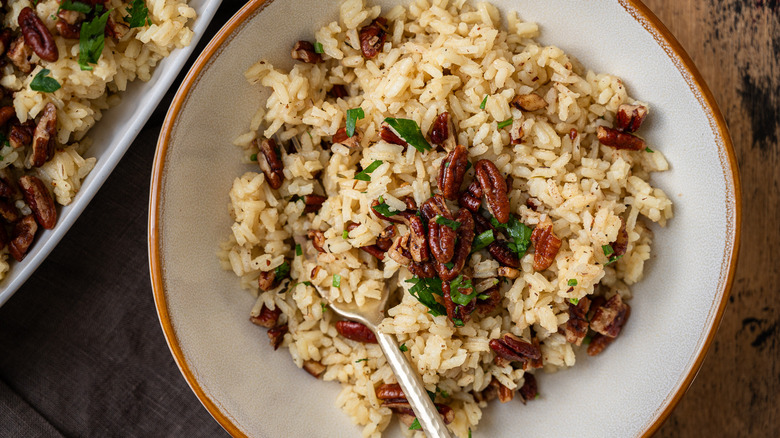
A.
x: 410, y: 382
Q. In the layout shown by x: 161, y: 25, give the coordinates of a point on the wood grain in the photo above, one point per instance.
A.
x: 736, y: 46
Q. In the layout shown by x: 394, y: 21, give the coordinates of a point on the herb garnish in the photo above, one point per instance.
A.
x: 384, y: 209
x: 415, y: 425
x: 458, y: 284
x: 69, y: 5
x: 572, y: 282
x: 362, y: 360
x: 298, y: 249
x: 519, y: 233
x: 403, y: 348
x: 441, y: 220
x: 43, y: 83
x: 409, y: 130
x: 336, y: 280
x: 365, y: 175
x: 353, y: 115
x: 324, y: 307
x: 484, y: 101
x: 92, y: 40
x: 649, y: 150
x: 423, y: 290
x: 282, y: 271
x: 253, y: 157
x: 137, y: 14
x: 318, y: 47
x: 608, y: 251
x: 574, y: 301
x: 482, y: 240
x: 457, y: 322
x: 505, y: 123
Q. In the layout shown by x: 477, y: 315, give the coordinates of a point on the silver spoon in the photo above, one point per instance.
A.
x: 370, y: 315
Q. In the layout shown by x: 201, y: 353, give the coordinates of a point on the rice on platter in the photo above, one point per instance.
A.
x: 499, y: 187
x: 63, y: 63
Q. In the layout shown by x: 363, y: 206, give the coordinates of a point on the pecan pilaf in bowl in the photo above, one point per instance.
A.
x: 63, y: 64
x: 507, y: 193
x: 497, y: 184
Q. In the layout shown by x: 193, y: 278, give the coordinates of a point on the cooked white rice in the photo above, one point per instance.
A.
x: 84, y: 95
x: 439, y: 56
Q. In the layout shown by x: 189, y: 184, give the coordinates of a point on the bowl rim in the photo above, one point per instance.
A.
x: 641, y: 13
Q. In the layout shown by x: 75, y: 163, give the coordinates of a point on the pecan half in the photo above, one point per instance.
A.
x: 338, y: 91
x: 21, y: 134
x: 314, y: 368
x: 441, y: 130
x: 537, y: 362
x: 372, y: 37
x: 374, y: 251
x: 313, y: 203
x: 503, y: 255
x: 529, y: 102
x: 418, y: 242
x: 462, y: 247
x: 494, y: 188
x: 399, y: 250
x: 304, y: 51
x: 22, y: 237
x: 609, y: 318
x: 451, y: 172
x: 37, y: 35
x: 598, y: 344
x: 457, y: 311
x: 471, y: 198
x: 317, y: 239
x: 267, y: 317
x: 488, y: 305
x: 351, y: 142
x: 577, y: 325
x: 546, y: 245
x: 271, y: 162
x: 20, y: 53
x: 356, y: 331
x: 422, y: 270
x: 619, y: 140
x: 387, y: 134
x: 385, y: 239
x: 529, y: 390
x: 620, y: 244
x: 441, y: 238
x: 630, y: 117
x: 265, y: 281
x: 44, y: 136
x: 505, y: 394
x: 390, y: 391
x: 6, y: 114
x: 512, y: 348
x: 38, y: 198
x: 9, y: 212
x: 276, y: 336
x: 69, y: 31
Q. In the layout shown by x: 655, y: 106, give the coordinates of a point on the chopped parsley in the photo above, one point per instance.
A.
x: 365, y: 175
x: 282, y: 271
x: 482, y: 240
x: 505, y: 123
x: 336, y: 280
x: 444, y: 393
x: 298, y: 249
x: 458, y: 284
x: 586, y: 341
x: 458, y: 322
x: 649, y: 150
x: 574, y: 301
x: 608, y: 251
x: 385, y: 209
x: 484, y: 101
x: 482, y: 297
x: 572, y: 282
x: 353, y: 115
x: 409, y: 130
x: 469, y: 432
x: 324, y: 307
x: 403, y: 348
x: 450, y: 265
x: 415, y: 425
x: 362, y: 360
x: 137, y: 14
x: 92, y: 40
x: 441, y: 220
x: 69, y: 5
x: 43, y: 83
x: 345, y: 234
x: 253, y: 157
x: 318, y: 47
x: 519, y: 233
x: 424, y: 289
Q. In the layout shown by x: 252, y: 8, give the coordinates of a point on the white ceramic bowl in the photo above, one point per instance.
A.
x: 112, y: 136
x: 626, y: 391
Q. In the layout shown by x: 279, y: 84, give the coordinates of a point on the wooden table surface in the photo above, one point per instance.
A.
x: 736, y: 46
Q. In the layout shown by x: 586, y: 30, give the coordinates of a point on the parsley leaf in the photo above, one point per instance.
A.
x: 336, y: 280
x: 403, y: 348
x: 519, y: 233
x: 345, y: 234
x: 385, y: 209
x: 424, y: 289
x: 484, y: 101
x: 318, y: 47
x: 574, y: 301
x: 461, y: 283
x: 649, y: 150
x: 410, y: 132
x: 608, y: 251
x: 469, y: 433
x: 43, y: 83
x: 457, y: 322
x: 441, y: 220
x: 572, y: 282
x: 362, y: 360
x: 365, y: 174
x: 415, y: 425
x: 253, y: 157
x: 482, y: 240
x: 92, y: 40
x: 298, y: 250
x: 353, y: 115
x: 505, y: 123
x: 324, y: 307
x: 69, y: 5
x: 282, y: 271
x: 138, y: 14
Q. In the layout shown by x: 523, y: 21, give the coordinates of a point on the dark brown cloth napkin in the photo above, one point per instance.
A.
x: 81, y: 349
